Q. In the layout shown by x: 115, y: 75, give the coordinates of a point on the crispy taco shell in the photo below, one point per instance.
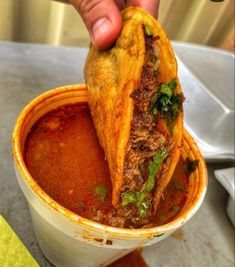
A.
x: 112, y: 77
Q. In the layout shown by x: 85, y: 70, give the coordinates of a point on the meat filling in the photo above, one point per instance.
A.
x: 144, y: 142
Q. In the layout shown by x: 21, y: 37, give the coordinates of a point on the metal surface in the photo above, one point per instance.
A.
x: 207, y: 80
x: 28, y: 70
x: 226, y: 178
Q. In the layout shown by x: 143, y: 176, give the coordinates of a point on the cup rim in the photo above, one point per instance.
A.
x: 77, y: 219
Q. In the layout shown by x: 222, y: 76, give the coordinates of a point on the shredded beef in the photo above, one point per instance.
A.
x: 144, y: 140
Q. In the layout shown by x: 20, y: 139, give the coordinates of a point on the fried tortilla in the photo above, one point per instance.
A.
x: 136, y: 105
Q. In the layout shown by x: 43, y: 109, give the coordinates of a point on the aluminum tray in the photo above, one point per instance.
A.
x: 207, y: 80
x: 28, y: 70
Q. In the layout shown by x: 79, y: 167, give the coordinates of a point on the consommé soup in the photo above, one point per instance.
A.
x: 63, y: 155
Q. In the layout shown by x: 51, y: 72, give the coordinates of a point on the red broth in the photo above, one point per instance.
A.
x: 63, y: 155
x: 133, y: 259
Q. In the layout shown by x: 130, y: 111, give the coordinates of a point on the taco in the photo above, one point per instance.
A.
x: 136, y: 105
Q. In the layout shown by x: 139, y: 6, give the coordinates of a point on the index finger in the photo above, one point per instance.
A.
x: 150, y: 6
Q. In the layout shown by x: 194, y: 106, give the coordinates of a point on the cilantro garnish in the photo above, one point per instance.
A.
x: 166, y: 90
x: 143, y: 208
x: 128, y: 197
x: 101, y: 192
x: 148, y: 30
x: 139, y: 198
x: 154, y: 111
x: 168, y: 103
x: 172, y: 84
x: 178, y: 185
x: 153, y: 169
x: 175, y: 208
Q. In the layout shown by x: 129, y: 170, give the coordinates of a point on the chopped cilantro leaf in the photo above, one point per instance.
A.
x: 144, y: 207
x: 148, y: 30
x: 133, y: 197
x: 178, y: 185
x: 153, y: 169
x: 143, y: 212
x: 168, y: 103
x: 128, y: 197
x: 172, y: 84
x: 165, y: 89
x: 101, y: 192
x: 154, y: 111
x: 165, y: 102
x: 175, y: 208
x: 139, y: 198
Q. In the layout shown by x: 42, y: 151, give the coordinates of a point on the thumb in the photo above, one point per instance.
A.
x: 103, y: 20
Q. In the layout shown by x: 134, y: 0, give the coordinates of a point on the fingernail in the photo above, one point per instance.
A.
x: 100, y: 29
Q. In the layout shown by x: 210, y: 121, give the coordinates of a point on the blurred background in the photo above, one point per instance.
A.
x: 48, y: 22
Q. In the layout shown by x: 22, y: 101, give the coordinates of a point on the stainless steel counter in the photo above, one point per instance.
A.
x: 28, y: 70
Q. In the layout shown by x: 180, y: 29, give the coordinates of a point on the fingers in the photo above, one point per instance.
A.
x: 63, y: 1
x: 103, y: 20
x: 149, y: 5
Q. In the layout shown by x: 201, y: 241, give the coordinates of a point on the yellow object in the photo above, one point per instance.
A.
x: 12, y: 251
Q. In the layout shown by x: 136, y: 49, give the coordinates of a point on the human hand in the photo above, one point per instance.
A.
x: 103, y: 18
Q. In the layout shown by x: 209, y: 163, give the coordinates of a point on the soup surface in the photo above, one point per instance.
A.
x: 63, y: 155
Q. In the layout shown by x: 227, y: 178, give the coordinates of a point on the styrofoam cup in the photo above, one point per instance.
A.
x: 69, y: 240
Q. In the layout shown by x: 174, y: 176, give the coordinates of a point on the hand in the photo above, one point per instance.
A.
x: 103, y: 19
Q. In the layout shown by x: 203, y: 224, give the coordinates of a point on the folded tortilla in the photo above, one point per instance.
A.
x: 136, y: 105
